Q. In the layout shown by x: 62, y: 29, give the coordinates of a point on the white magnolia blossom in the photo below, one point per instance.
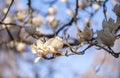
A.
x: 50, y: 18
x: 52, y: 21
x: 7, y: 20
x: 52, y: 10
x: 105, y: 37
x: 38, y: 20
x: 5, y: 10
x: 86, y: 34
x: 110, y: 25
x: 21, y: 15
x: 64, y: 1
x: 50, y: 46
x: 20, y: 46
x: 96, y: 6
x: 86, y: 20
x: 82, y: 4
x: 70, y: 12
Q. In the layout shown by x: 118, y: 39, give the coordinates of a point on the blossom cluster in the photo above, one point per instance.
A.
x: 51, y: 46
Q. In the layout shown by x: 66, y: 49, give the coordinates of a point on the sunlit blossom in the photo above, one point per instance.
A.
x: 50, y: 46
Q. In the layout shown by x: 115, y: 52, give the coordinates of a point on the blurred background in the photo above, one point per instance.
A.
x: 16, y: 58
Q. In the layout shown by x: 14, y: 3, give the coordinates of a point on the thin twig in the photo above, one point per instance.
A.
x: 30, y: 11
x: 105, y: 9
x: 7, y: 10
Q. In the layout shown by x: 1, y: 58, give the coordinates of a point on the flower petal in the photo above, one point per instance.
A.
x: 37, y: 59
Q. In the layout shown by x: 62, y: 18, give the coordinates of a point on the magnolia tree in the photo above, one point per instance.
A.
x: 50, y: 37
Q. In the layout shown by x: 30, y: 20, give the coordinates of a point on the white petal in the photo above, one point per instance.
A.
x: 57, y: 43
x: 51, y: 48
x: 37, y: 59
x: 48, y: 43
x: 33, y: 49
x: 39, y: 43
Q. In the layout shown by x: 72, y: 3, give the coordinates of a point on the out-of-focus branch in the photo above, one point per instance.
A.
x: 5, y: 17
x: 13, y: 24
x: 74, y: 18
x: 7, y: 10
x: 30, y: 11
x: 105, y: 9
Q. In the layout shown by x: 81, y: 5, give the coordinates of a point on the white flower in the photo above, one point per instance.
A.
x: 82, y: 4
x: 110, y: 25
x: 50, y: 18
x: 20, y: 46
x: 64, y: 1
x: 86, y: 34
x: 21, y: 15
x: 105, y: 37
x: 5, y: 10
x: 56, y: 43
x: 52, y: 10
x: 37, y: 59
x: 50, y: 46
x: 52, y: 21
x: 38, y: 20
x: 70, y: 12
x: 96, y: 6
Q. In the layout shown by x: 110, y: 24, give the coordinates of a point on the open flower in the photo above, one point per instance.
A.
x: 110, y: 25
x: 86, y: 35
x: 50, y: 46
x: 105, y: 37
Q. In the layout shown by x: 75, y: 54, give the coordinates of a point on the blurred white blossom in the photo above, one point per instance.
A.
x: 50, y: 18
x: 52, y: 10
x: 20, y: 46
x: 114, y: 2
x: 21, y: 15
x: 82, y: 4
x: 96, y: 6
x: 52, y: 21
x: 8, y: 20
x: 37, y: 20
x: 64, y: 1
x: 50, y: 46
x: 87, y: 20
x: 70, y: 12
x: 5, y: 10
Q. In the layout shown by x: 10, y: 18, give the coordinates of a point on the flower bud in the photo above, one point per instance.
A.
x: 21, y: 15
x: 37, y: 20
x: 51, y: 10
